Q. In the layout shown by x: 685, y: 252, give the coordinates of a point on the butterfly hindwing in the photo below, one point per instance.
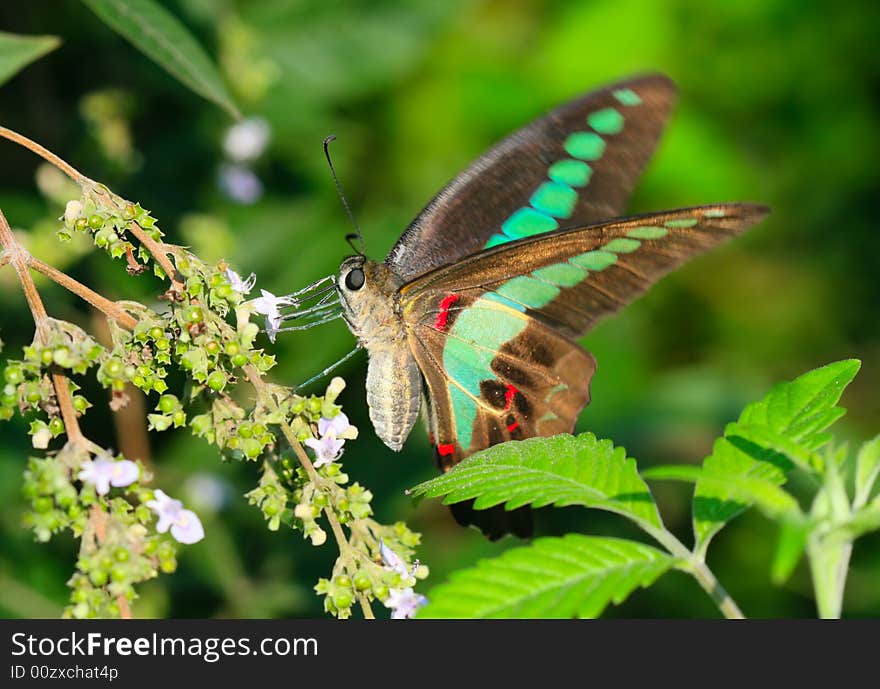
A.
x: 493, y: 333
x: 574, y: 166
x: 495, y: 374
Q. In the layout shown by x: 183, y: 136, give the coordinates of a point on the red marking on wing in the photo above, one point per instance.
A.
x: 443, y: 315
x: 509, y: 394
x: 445, y: 449
x: 512, y: 427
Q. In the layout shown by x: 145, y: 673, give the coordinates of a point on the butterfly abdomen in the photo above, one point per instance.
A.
x: 394, y: 392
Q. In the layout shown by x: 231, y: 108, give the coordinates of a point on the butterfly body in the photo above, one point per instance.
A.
x: 475, y: 314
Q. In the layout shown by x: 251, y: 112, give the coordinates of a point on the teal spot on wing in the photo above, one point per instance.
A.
x: 594, y: 260
x: 574, y: 173
x: 495, y: 240
x: 606, y: 121
x: 560, y: 274
x: 479, y: 330
x: 555, y: 199
x: 622, y: 245
x: 558, y: 197
x: 585, y: 145
x: 464, y: 410
x: 647, y: 232
x: 627, y: 97
x: 527, y: 222
x: 494, y: 296
x: 528, y: 291
x: 682, y: 222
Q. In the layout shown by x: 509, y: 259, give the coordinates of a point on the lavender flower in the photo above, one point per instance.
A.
x: 338, y: 423
x: 404, y: 603
x: 103, y: 471
x: 239, y: 285
x: 392, y: 560
x: 240, y: 183
x: 327, y: 449
x: 184, y: 524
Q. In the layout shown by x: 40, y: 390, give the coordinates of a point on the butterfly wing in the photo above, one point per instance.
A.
x: 575, y: 166
x: 494, y: 333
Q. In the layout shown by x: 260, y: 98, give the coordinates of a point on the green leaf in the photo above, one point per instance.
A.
x: 164, y: 39
x: 562, y: 470
x: 799, y: 412
x: 864, y: 521
x: 768, y: 496
x: 867, y: 470
x: 17, y: 52
x: 572, y: 576
x: 789, y: 549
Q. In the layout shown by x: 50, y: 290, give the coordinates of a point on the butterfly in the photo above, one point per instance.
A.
x: 473, y: 319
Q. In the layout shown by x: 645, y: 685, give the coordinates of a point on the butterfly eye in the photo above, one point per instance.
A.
x: 354, y: 280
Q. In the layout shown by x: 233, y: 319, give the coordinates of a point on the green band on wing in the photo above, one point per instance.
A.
x: 574, y: 173
x: 528, y: 291
x: 681, y: 222
x: 627, y: 97
x: 622, y: 245
x: 713, y: 213
x: 527, y: 222
x: 606, y: 121
x: 594, y: 260
x: 479, y: 330
x: 647, y: 232
x: 560, y: 274
x: 555, y: 199
x: 585, y: 145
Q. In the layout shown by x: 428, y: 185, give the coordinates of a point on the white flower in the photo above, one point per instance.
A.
x: 404, y: 603
x: 103, y: 471
x: 392, y: 560
x: 240, y: 183
x: 184, y: 524
x: 245, y: 141
x: 40, y: 439
x: 269, y: 305
x: 239, y: 285
x: 327, y: 449
x: 72, y: 211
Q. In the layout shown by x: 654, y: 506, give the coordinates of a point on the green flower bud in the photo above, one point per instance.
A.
x: 217, y: 380
x: 96, y: 222
x: 168, y: 403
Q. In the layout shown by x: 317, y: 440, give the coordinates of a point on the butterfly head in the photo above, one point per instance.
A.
x: 367, y: 292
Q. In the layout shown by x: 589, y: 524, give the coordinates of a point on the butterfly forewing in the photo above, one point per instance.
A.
x: 576, y: 165
x: 493, y: 333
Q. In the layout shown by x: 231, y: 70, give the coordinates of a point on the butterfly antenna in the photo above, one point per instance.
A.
x: 356, y: 235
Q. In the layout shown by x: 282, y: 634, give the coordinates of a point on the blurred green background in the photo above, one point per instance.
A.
x: 780, y: 103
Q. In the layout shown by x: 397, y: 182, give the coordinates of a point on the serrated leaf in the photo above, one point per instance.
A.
x: 867, y: 470
x: 572, y: 576
x: 767, y: 495
x: 562, y: 470
x: 789, y: 549
x: 17, y: 52
x: 164, y: 39
x: 798, y: 411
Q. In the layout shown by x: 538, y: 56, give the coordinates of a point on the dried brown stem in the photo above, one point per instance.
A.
x: 157, y: 250
x: 108, y: 308
x: 98, y: 527
x: 45, y: 154
x: 20, y: 260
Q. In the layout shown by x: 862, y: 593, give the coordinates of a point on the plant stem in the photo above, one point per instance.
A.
x: 44, y: 153
x: 104, y: 305
x: 697, y: 568
x: 345, y: 548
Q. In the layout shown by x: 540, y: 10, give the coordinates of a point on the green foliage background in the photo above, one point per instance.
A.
x: 778, y: 104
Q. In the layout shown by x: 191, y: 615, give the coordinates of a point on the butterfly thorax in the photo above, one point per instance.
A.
x: 369, y: 294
